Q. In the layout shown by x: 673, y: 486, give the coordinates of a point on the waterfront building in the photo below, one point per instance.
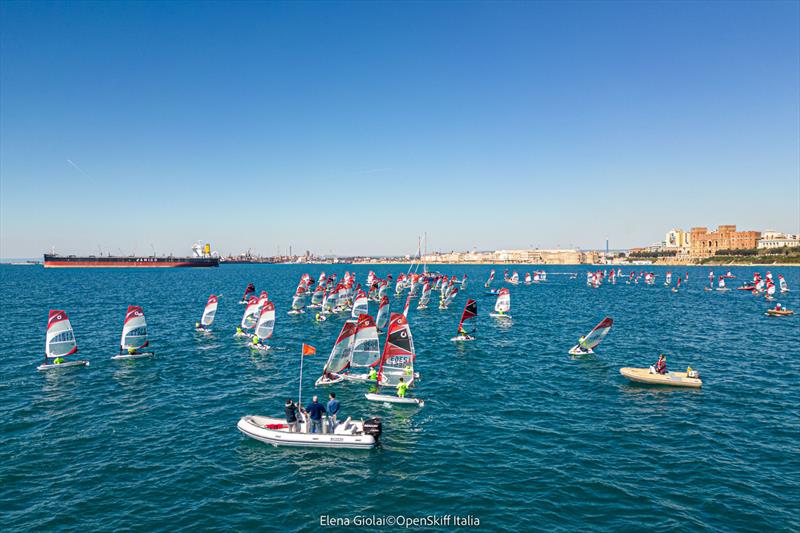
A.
x: 704, y: 243
x: 775, y: 239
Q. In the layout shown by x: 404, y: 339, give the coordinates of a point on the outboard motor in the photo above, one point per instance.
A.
x: 373, y: 427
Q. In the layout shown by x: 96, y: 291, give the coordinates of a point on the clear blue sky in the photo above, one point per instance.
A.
x: 354, y: 127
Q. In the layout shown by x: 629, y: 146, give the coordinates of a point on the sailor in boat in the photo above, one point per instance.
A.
x: 463, y: 333
x: 198, y: 326
x: 581, y: 347
x: 320, y: 317
x: 373, y: 375
x: 59, y: 360
x: 315, y: 411
x: 661, y: 365
x: 402, y: 387
x: 256, y: 341
x: 291, y: 415
x: 333, y: 408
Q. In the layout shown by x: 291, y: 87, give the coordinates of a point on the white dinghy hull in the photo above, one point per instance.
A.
x: 68, y: 364
x: 388, y: 398
x: 274, y: 431
x: 133, y: 356
x: 576, y: 350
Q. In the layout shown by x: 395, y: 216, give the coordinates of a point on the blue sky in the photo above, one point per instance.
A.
x: 354, y: 127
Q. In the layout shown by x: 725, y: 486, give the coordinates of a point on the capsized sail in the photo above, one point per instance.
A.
x: 209, y: 312
x: 366, y: 349
x: 503, y: 303
x: 266, y: 321
x: 134, y: 329
x: 598, y: 333
x: 60, y: 340
x: 382, y: 319
x: 398, y: 353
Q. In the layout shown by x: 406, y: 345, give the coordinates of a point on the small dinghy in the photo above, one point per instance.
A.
x: 721, y: 284
x: 502, y: 305
x: 672, y: 379
x: 425, y: 298
x: 59, y: 343
x: 587, y: 344
x: 470, y: 312
x: 134, y: 341
x: 392, y: 399
x: 249, y: 318
x: 778, y: 311
x: 489, y: 281
x: 298, y: 302
x: 347, y: 434
x: 209, y: 313
x: 366, y: 352
x: 264, y: 327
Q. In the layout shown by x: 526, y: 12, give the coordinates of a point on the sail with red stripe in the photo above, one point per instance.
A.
x: 134, y: 329
x: 425, y: 297
x: 596, y: 336
x: 339, y: 359
x: 361, y: 304
x: 398, y: 353
x: 250, y: 316
x: 470, y: 311
x: 266, y: 321
x: 366, y: 348
x: 209, y: 312
x: 405, y: 308
x: 60, y: 339
x: 503, y: 303
x: 382, y: 319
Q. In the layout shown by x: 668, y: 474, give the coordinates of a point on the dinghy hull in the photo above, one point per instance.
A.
x: 388, y: 398
x: 274, y: 431
x: 670, y: 379
x: 68, y: 364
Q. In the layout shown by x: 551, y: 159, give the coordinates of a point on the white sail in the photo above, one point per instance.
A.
x: 250, y: 316
x: 382, y: 320
x: 425, y: 297
x: 361, y: 304
x: 299, y: 300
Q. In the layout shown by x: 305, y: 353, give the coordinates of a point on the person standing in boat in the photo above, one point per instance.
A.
x: 291, y: 415
x: 661, y: 364
x: 373, y: 374
x: 333, y: 409
x: 402, y: 387
x: 315, y: 411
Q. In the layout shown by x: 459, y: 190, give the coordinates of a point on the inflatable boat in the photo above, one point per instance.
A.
x: 347, y: 434
x: 672, y: 379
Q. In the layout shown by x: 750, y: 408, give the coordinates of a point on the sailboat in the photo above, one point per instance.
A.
x: 366, y: 351
x: 514, y: 279
x: 317, y: 297
x: 668, y: 279
x: 489, y: 281
x: 677, y: 285
x: 528, y: 278
x: 502, y: 305
x: 249, y: 318
x: 298, y: 302
x: 361, y: 305
x: 382, y: 318
x: 770, y: 291
x: 209, y: 313
x: 134, y: 341
x: 782, y: 282
x: 470, y: 312
x: 264, y: 326
x: 397, y: 363
x: 425, y: 297
x: 59, y: 342
x: 339, y: 359
x: 589, y: 342
x: 448, y: 299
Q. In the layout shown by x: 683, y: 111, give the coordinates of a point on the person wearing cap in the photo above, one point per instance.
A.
x: 315, y: 411
x: 291, y: 415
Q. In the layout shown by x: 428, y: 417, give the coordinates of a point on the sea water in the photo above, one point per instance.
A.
x: 515, y: 434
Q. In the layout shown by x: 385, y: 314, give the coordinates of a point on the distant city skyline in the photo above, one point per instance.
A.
x: 353, y: 128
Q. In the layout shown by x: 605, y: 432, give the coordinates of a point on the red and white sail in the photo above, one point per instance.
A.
x: 503, y: 303
x: 425, y: 297
x: 250, y: 316
x: 134, y: 329
x: 598, y: 333
x: 209, y: 312
x: 405, y: 308
x: 366, y: 348
x: 382, y: 318
x: 489, y: 281
x: 266, y: 321
x: 360, y: 305
x: 60, y: 339
x: 470, y: 312
x: 339, y: 359
x: 398, y: 353
x: 299, y: 299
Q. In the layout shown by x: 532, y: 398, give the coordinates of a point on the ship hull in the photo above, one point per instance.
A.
x: 129, y: 262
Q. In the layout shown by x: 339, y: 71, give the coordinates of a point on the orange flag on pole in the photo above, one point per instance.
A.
x: 309, y: 350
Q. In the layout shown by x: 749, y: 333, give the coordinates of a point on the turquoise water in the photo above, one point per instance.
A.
x: 515, y: 433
